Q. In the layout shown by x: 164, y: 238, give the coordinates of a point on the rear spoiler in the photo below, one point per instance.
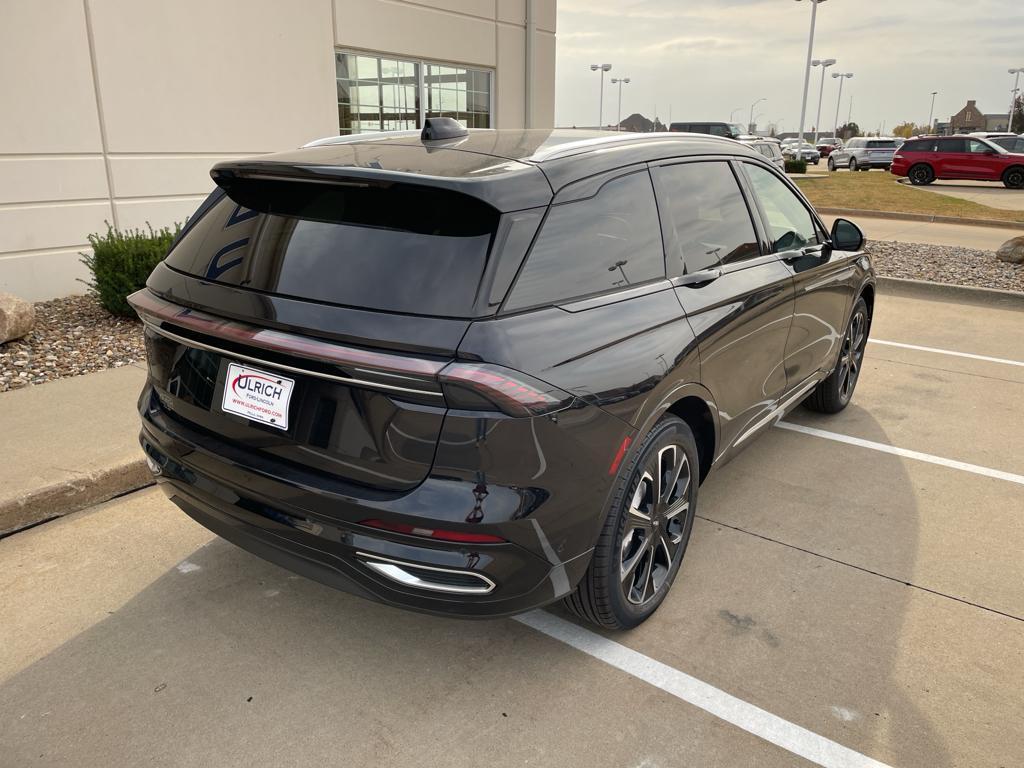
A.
x: 507, y: 186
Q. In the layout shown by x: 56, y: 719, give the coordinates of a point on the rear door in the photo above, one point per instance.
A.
x: 951, y: 158
x: 738, y: 301
x: 824, y: 280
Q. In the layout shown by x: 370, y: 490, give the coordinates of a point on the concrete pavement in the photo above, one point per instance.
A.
x: 872, y: 599
x: 992, y: 194
x: 933, y: 233
x: 69, y: 444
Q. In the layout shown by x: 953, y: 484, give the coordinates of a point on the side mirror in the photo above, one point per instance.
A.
x: 846, y: 236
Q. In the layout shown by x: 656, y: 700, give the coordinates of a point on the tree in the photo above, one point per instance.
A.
x: 848, y: 131
x: 1018, y: 114
x: 906, y: 130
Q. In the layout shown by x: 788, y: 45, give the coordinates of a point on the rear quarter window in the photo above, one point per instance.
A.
x: 603, y: 243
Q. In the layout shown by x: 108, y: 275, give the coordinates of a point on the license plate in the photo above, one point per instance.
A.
x: 257, y: 395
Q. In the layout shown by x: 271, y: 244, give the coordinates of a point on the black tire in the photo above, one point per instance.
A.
x: 921, y: 174
x: 834, y: 393
x: 1013, y: 177
x: 853, y: 164
x: 647, y: 550
x: 831, y: 165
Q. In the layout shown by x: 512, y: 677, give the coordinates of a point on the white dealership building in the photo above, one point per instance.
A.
x: 114, y: 110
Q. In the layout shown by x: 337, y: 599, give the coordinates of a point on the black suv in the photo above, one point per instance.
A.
x: 472, y: 374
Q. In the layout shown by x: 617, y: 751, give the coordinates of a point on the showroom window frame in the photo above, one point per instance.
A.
x: 421, y: 81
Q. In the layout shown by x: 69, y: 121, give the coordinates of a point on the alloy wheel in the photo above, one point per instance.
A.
x: 655, y: 524
x: 1015, y: 178
x: 852, y: 355
x: 920, y: 174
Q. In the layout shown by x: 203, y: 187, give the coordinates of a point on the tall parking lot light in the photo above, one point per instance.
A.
x: 842, y: 78
x: 620, y: 81
x: 931, y: 112
x: 602, y: 68
x: 1013, y: 102
x: 824, y: 64
x: 807, y: 69
x: 750, y: 123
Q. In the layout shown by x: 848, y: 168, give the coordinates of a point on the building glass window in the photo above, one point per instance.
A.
x: 378, y: 93
x: 461, y: 93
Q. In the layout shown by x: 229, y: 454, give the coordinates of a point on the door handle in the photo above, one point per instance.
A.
x: 814, y: 251
x: 699, y: 278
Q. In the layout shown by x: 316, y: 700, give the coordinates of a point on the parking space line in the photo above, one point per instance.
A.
x: 938, y: 351
x: 752, y: 719
x: 904, y: 452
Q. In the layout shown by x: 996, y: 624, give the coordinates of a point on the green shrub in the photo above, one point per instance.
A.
x: 121, y: 262
x: 796, y: 166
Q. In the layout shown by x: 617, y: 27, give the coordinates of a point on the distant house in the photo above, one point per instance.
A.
x: 996, y: 122
x: 970, y: 119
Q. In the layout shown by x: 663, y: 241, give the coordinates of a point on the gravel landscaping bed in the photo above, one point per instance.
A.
x: 72, y: 336
x: 948, y: 264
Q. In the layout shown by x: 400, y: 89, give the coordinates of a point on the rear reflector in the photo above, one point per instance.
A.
x: 460, y: 537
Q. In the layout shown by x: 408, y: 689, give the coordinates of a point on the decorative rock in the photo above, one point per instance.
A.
x: 17, y: 317
x: 1012, y: 251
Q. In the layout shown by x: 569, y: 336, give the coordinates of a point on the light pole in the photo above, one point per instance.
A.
x: 824, y: 64
x: 931, y: 112
x: 807, y: 70
x: 750, y: 123
x: 602, y: 68
x: 1013, y: 103
x: 620, y: 81
x: 842, y: 78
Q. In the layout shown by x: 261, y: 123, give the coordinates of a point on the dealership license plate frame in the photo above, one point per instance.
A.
x: 268, y: 407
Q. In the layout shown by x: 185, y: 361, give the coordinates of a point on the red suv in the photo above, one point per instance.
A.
x: 957, y: 157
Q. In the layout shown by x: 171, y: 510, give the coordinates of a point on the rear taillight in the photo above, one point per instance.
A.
x: 473, y: 386
x: 459, y: 537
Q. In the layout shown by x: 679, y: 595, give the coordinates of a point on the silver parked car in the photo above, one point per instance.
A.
x: 767, y: 147
x: 798, y: 151
x: 864, y: 153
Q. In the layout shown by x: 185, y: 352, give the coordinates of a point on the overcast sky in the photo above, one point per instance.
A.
x: 707, y: 58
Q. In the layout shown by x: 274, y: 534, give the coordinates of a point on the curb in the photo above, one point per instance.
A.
x: 921, y: 217
x: 922, y: 289
x: 72, y: 495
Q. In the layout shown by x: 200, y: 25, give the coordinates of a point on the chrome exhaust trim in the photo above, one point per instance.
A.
x: 416, y: 575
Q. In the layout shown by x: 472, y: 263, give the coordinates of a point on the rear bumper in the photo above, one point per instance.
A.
x: 316, y: 531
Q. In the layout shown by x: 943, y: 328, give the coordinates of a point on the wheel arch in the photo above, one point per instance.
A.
x: 695, y: 405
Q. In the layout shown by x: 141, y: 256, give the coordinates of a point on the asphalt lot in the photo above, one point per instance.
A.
x: 837, y: 601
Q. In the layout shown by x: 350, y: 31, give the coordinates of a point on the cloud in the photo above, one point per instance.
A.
x: 706, y: 59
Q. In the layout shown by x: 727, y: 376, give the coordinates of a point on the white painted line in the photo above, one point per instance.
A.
x: 904, y: 452
x: 938, y: 351
x: 722, y: 705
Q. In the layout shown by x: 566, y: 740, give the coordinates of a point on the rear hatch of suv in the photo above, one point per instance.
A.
x: 299, y: 323
x: 880, y: 151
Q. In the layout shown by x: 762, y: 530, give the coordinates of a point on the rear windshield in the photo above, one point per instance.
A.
x: 397, y: 248
x: 882, y: 144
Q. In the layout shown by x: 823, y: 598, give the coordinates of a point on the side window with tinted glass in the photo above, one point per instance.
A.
x: 603, y: 243
x: 952, y: 145
x: 706, y: 219
x: 790, y: 225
